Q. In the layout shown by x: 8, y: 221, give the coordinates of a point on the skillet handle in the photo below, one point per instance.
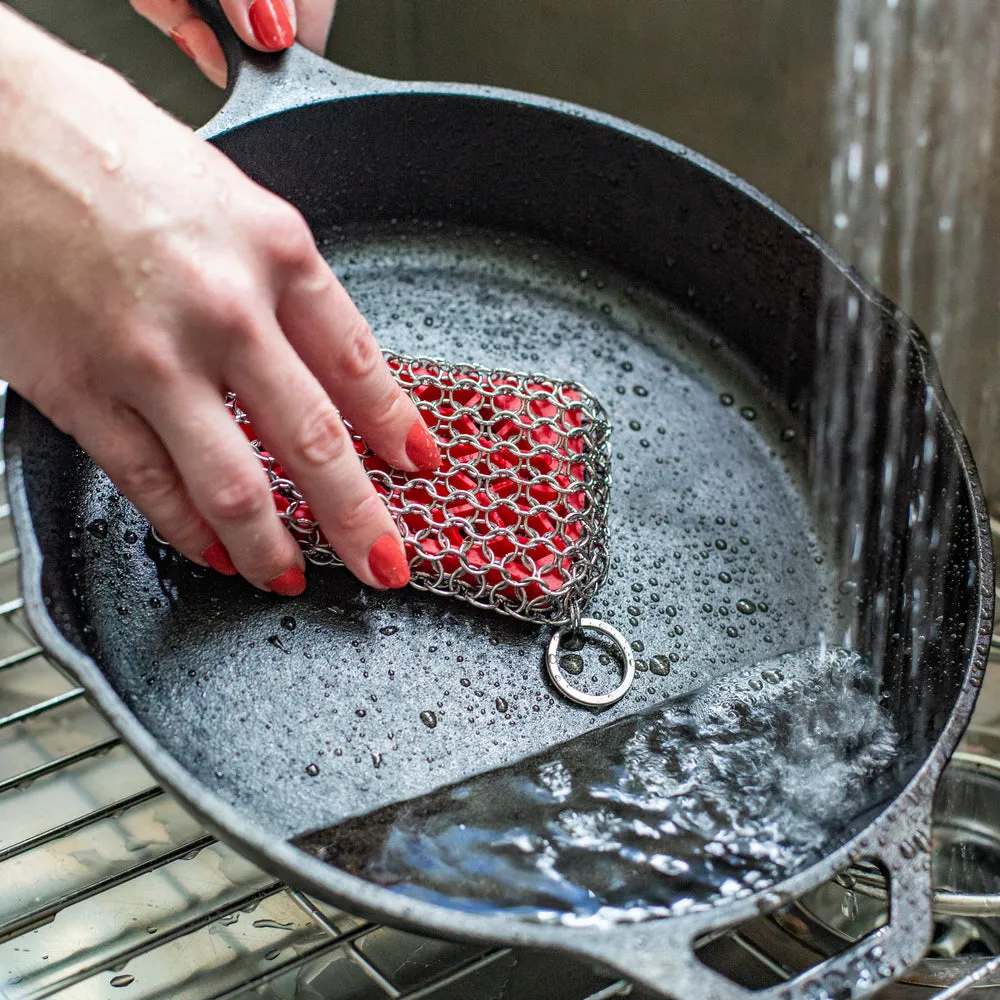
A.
x: 263, y: 83
x: 651, y: 955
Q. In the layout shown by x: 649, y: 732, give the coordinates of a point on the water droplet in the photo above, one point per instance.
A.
x: 272, y: 925
x: 130, y: 537
x: 732, y: 631
x: 360, y: 713
x: 726, y: 399
x: 746, y: 607
x: 787, y: 434
x: 637, y: 645
x: 640, y: 390
x: 98, y: 528
x: 725, y: 578
x: 389, y: 630
x: 288, y: 622
x: 748, y: 413
x: 112, y: 158
x: 125, y: 980
x: 501, y: 705
x: 464, y: 681
x: 571, y: 663
x: 312, y: 770
x: 429, y: 719
x: 659, y: 665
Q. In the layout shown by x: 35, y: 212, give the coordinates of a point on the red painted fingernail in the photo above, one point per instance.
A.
x: 182, y: 44
x: 291, y: 583
x: 218, y: 558
x: 388, y: 562
x: 270, y: 24
x: 421, y: 449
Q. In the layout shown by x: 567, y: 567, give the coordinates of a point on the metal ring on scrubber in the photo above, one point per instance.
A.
x: 582, y: 697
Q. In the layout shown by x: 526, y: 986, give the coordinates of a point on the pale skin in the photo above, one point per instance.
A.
x: 142, y: 275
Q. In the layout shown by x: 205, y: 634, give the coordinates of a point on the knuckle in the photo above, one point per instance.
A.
x: 239, y: 498
x: 360, y: 354
x: 292, y: 242
x: 148, y: 481
x: 323, y: 438
x: 228, y: 303
x: 148, y: 360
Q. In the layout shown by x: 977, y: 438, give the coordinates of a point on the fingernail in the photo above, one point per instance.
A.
x: 421, y: 448
x: 387, y: 562
x: 271, y: 25
x: 218, y: 558
x: 291, y: 583
x: 182, y: 44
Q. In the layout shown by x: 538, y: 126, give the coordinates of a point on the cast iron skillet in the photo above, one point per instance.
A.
x: 503, y: 228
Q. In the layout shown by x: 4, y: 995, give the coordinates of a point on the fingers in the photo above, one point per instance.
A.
x: 314, y: 20
x: 124, y: 445
x: 197, y: 40
x: 268, y: 25
x: 334, y: 340
x: 293, y: 414
x: 192, y: 36
x: 227, y: 483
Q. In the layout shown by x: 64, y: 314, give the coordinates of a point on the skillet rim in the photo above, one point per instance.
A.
x: 615, y: 947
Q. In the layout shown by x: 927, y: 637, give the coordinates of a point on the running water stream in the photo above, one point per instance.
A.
x: 913, y: 133
x: 913, y: 118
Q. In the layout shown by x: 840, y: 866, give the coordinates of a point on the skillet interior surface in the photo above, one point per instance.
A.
x: 249, y: 690
x: 686, y: 306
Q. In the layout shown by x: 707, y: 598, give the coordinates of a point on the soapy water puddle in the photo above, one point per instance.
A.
x: 715, y: 795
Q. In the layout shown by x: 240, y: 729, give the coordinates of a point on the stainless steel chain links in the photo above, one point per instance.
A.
x: 516, y: 519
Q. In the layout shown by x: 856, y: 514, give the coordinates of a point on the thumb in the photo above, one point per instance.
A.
x: 268, y: 25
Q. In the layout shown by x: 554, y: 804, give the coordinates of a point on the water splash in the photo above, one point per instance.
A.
x: 716, y: 795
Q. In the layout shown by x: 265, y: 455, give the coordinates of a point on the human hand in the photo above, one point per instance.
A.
x: 268, y: 25
x: 142, y: 275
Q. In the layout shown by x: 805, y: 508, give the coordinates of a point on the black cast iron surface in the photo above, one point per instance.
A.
x: 505, y: 229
